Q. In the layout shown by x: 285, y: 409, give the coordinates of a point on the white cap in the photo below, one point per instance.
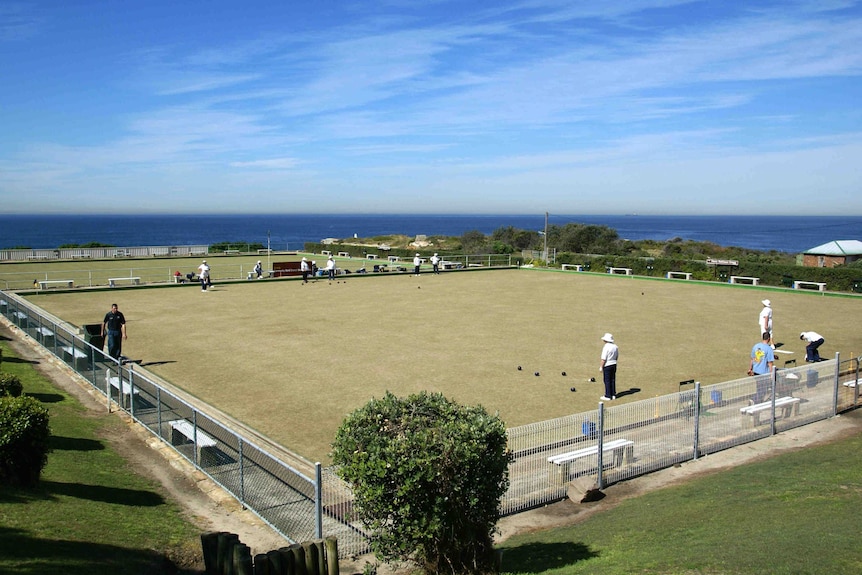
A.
x: 608, y: 338
x: 766, y: 302
x: 417, y: 255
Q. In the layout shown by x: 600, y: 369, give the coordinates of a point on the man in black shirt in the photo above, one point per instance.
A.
x: 114, y: 325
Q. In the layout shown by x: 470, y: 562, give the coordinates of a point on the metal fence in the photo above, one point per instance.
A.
x: 101, y: 253
x: 609, y: 444
x: 616, y: 443
x: 291, y: 501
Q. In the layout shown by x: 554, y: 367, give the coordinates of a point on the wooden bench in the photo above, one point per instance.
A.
x: 45, y: 283
x: 744, y: 279
x: 622, y: 449
x: 797, y: 284
x: 182, y: 431
x: 789, y: 405
x: 576, y: 267
x: 624, y: 271
x: 112, y: 282
x: 44, y: 335
x: 78, y: 358
x: 684, y: 275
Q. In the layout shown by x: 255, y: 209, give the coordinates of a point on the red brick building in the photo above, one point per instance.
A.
x: 835, y: 253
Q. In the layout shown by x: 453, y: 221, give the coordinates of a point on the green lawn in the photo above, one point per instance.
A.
x: 91, y: 513
x: 793, y: 513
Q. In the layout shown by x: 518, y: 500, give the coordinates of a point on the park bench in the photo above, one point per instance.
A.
x: 622, y: 450
x: 231, y: 252
x: 37, y: 257
x: 76, y: 357
x: 182, y: 431
x: 797, y: 284
x: 624, y: 271
x: 789, y: 405
x: 43, y: 284
x: 744, y: 279
x: 124, y: 387
x: 264, y: 251
x: 684, y: 275
x: 447, y: 265
x: 45, y: 335
x: 344, y: 254
x: 22, y: 319
x: 371, y: 256
x: 576, y: 267
x: 112, y: 282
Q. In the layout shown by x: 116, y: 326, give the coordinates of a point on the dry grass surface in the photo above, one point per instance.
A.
x: 291, y: 360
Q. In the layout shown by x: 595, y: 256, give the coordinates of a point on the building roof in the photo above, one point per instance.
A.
x: 838, y: 248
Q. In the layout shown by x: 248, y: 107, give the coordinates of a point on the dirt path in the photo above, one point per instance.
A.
x: 211, y: 509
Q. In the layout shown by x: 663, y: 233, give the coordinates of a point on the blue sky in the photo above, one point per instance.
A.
x: 618, y: 106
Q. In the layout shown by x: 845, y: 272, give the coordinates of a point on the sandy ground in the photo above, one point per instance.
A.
x: 211, y: 509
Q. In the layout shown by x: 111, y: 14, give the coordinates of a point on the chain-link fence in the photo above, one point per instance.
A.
x: 289, y: 499
x: 620, y: 442
x: 609, y: 444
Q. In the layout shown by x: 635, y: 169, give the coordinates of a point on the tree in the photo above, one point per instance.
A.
x: 427, y: 475
x: 24, y: 437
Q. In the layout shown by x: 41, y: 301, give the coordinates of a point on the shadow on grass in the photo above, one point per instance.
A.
x: 541, y: 557
x: 630, y: 391
x: 13, y: 359
x: 142, y: 364
x: 59, y: 442
x: 46, y: 397
x: 33, y: 555
x: 48, y: 490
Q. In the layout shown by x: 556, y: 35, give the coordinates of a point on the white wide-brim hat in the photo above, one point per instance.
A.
x: 766, y: 302
x: 608, y: 338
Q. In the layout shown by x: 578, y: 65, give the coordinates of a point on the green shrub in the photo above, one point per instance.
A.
x: 427, y: 475
x: 24, y: 435
x: 10, y: 385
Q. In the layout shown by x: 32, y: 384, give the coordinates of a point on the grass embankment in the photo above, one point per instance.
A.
x: 794, y: 513
x: 91, y: 513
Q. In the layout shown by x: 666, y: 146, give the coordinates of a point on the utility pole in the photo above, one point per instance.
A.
x: 546, y: 240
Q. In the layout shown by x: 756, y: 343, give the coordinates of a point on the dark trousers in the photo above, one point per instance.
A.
x: 609, y: 374
x: 811, y: 353
x: 305, y: 276
x: 115, y: 343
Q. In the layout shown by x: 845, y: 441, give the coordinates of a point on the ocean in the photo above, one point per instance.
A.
x: 791, y: 234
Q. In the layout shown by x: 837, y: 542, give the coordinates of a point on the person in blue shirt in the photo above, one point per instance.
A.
x: 761, y: 365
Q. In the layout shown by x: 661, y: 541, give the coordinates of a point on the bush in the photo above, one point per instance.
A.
x: 10, y: 385
x: 427, y: 476
x: 24, y: 435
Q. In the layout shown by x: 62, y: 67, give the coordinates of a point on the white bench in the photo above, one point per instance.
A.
x: 744, y: 279
x: 182, y: 430
x: 32, y: 258
x: 371, y: 256
x: 344, y: 254
x: 231, y: 252
x: 851, y: 384
x: 326, y: 252
x: 576, y: 267
x: 264, y: 251
x: 76, y: 356
x: 625, y: 271
x: 475, y: 265
x: 112, y: 282
x: 789, y: 405
x: 684, y: 275
x: 622, y: 449
x: 45, y: 283
x: 22, y: 319
x: 393, y: 258
x: 44, y: 335
x: 797, y: 284
x: 127, y: 389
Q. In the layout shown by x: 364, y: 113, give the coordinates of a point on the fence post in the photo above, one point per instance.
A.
x: 241, y: 472
x: 600, y: 482
x: 837, y: 385
x: 774, y: 378
x: 318, y: 501
x: 696, y: 419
